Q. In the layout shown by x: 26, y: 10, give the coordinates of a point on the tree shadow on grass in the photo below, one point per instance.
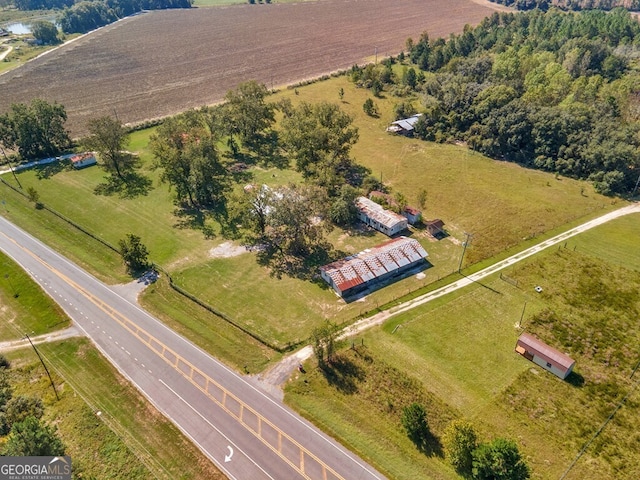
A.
x: 50, y: 169
x: 343, y: 374
x: 131, y: 186
x: 193, y: 218
x: 303, y: 267
x: 431, y: 446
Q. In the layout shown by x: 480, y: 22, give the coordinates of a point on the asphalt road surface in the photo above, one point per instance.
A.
x: 248, y: 434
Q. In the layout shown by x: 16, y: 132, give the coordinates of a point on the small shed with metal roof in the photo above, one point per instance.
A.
x: 547, y: 357
x: 404, y: 126
x: 376, y: 216
x: 358, y: 272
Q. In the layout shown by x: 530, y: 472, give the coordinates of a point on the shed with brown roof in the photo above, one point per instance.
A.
x: 542, y: 354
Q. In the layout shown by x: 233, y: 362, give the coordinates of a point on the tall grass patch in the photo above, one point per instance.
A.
x: 592, y: 314
x: 359, y: 398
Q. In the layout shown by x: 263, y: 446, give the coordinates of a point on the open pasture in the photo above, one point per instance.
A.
x: 164, y: 62
x: 461, y: 349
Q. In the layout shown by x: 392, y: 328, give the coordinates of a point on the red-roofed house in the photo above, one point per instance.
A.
x: 542, y: 354
x: 356, y: 273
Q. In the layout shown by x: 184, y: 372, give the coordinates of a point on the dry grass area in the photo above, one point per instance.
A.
x: 164, y: 62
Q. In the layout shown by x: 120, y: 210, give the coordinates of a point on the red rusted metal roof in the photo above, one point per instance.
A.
x: 540, y: 349
x: 374, y: 263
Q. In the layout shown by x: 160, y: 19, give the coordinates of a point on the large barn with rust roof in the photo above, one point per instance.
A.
x: 358, y: 272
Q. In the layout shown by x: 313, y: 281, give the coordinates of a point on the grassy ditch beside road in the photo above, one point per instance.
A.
x: 129, y: 438
x: 25, y: 309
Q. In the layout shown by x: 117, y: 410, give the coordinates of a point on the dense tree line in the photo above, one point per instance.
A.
x: 549, y: 90
x: 35, y: 131
x: 575, y: 5
x: 84, y: 16
x: 42, y: 4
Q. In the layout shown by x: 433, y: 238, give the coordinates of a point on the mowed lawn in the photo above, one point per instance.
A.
x: 23, y: 306
x: 500, y: 204
x: 461, y: 349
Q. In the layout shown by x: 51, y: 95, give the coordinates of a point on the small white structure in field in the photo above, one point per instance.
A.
x: 404, y: 126
x: 82, y: 160
x: 542, y: 354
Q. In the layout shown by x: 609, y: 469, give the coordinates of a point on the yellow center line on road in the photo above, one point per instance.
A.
x: 207, y: 385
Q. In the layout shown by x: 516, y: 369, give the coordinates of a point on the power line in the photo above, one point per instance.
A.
x: 45, y: 366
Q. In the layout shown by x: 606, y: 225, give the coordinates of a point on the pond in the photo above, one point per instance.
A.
x: 22, y: 28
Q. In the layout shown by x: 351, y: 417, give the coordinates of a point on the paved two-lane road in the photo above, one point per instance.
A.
x: 247, y: 433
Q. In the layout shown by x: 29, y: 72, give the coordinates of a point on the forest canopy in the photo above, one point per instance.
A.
x: 575, y: 5
x: 550, y: 90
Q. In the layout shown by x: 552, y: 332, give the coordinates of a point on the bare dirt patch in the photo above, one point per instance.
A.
x: 164, y: 62
x: 226, y: 250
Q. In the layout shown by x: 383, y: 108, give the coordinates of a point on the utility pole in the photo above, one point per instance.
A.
x: 464, y: 244
x: 522, y: 316
x: 376, y: 49
x: 45, y: 367
x: 11, y: 168
x: 635, y: 189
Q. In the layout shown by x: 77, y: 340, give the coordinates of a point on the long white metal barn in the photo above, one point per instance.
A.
x: 376, y: 216
x: 356, y: 273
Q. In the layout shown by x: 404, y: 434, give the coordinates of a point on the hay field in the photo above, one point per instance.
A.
x: 164, y: 62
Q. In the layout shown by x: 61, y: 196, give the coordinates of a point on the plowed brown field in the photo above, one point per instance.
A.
x: 163, y: 62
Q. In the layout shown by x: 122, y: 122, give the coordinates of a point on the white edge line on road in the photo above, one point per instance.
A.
x: 311, y: 428
x: 216, y: 429
x: 157, y: 407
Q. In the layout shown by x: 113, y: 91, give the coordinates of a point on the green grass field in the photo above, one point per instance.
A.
x: 455, y: 354
x: 460, y: 349
x: 24, y: 309
x: 501, y: 204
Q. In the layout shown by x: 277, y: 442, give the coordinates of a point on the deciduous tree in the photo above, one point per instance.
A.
x: 297, y: 222
x: 134, y: 254
x: 185, y: 150
x: 459, y: 441
x: 499, y: 460
x: 248, y: 116
x: 33, y: 438
x: 35, y: 130
x: 324, y: 340
x: 319, y: 137
x: 414, y: 421
x: 20, y: 407
x: 343, y: 209
x: 108, y: 137
x: 45, y: 32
